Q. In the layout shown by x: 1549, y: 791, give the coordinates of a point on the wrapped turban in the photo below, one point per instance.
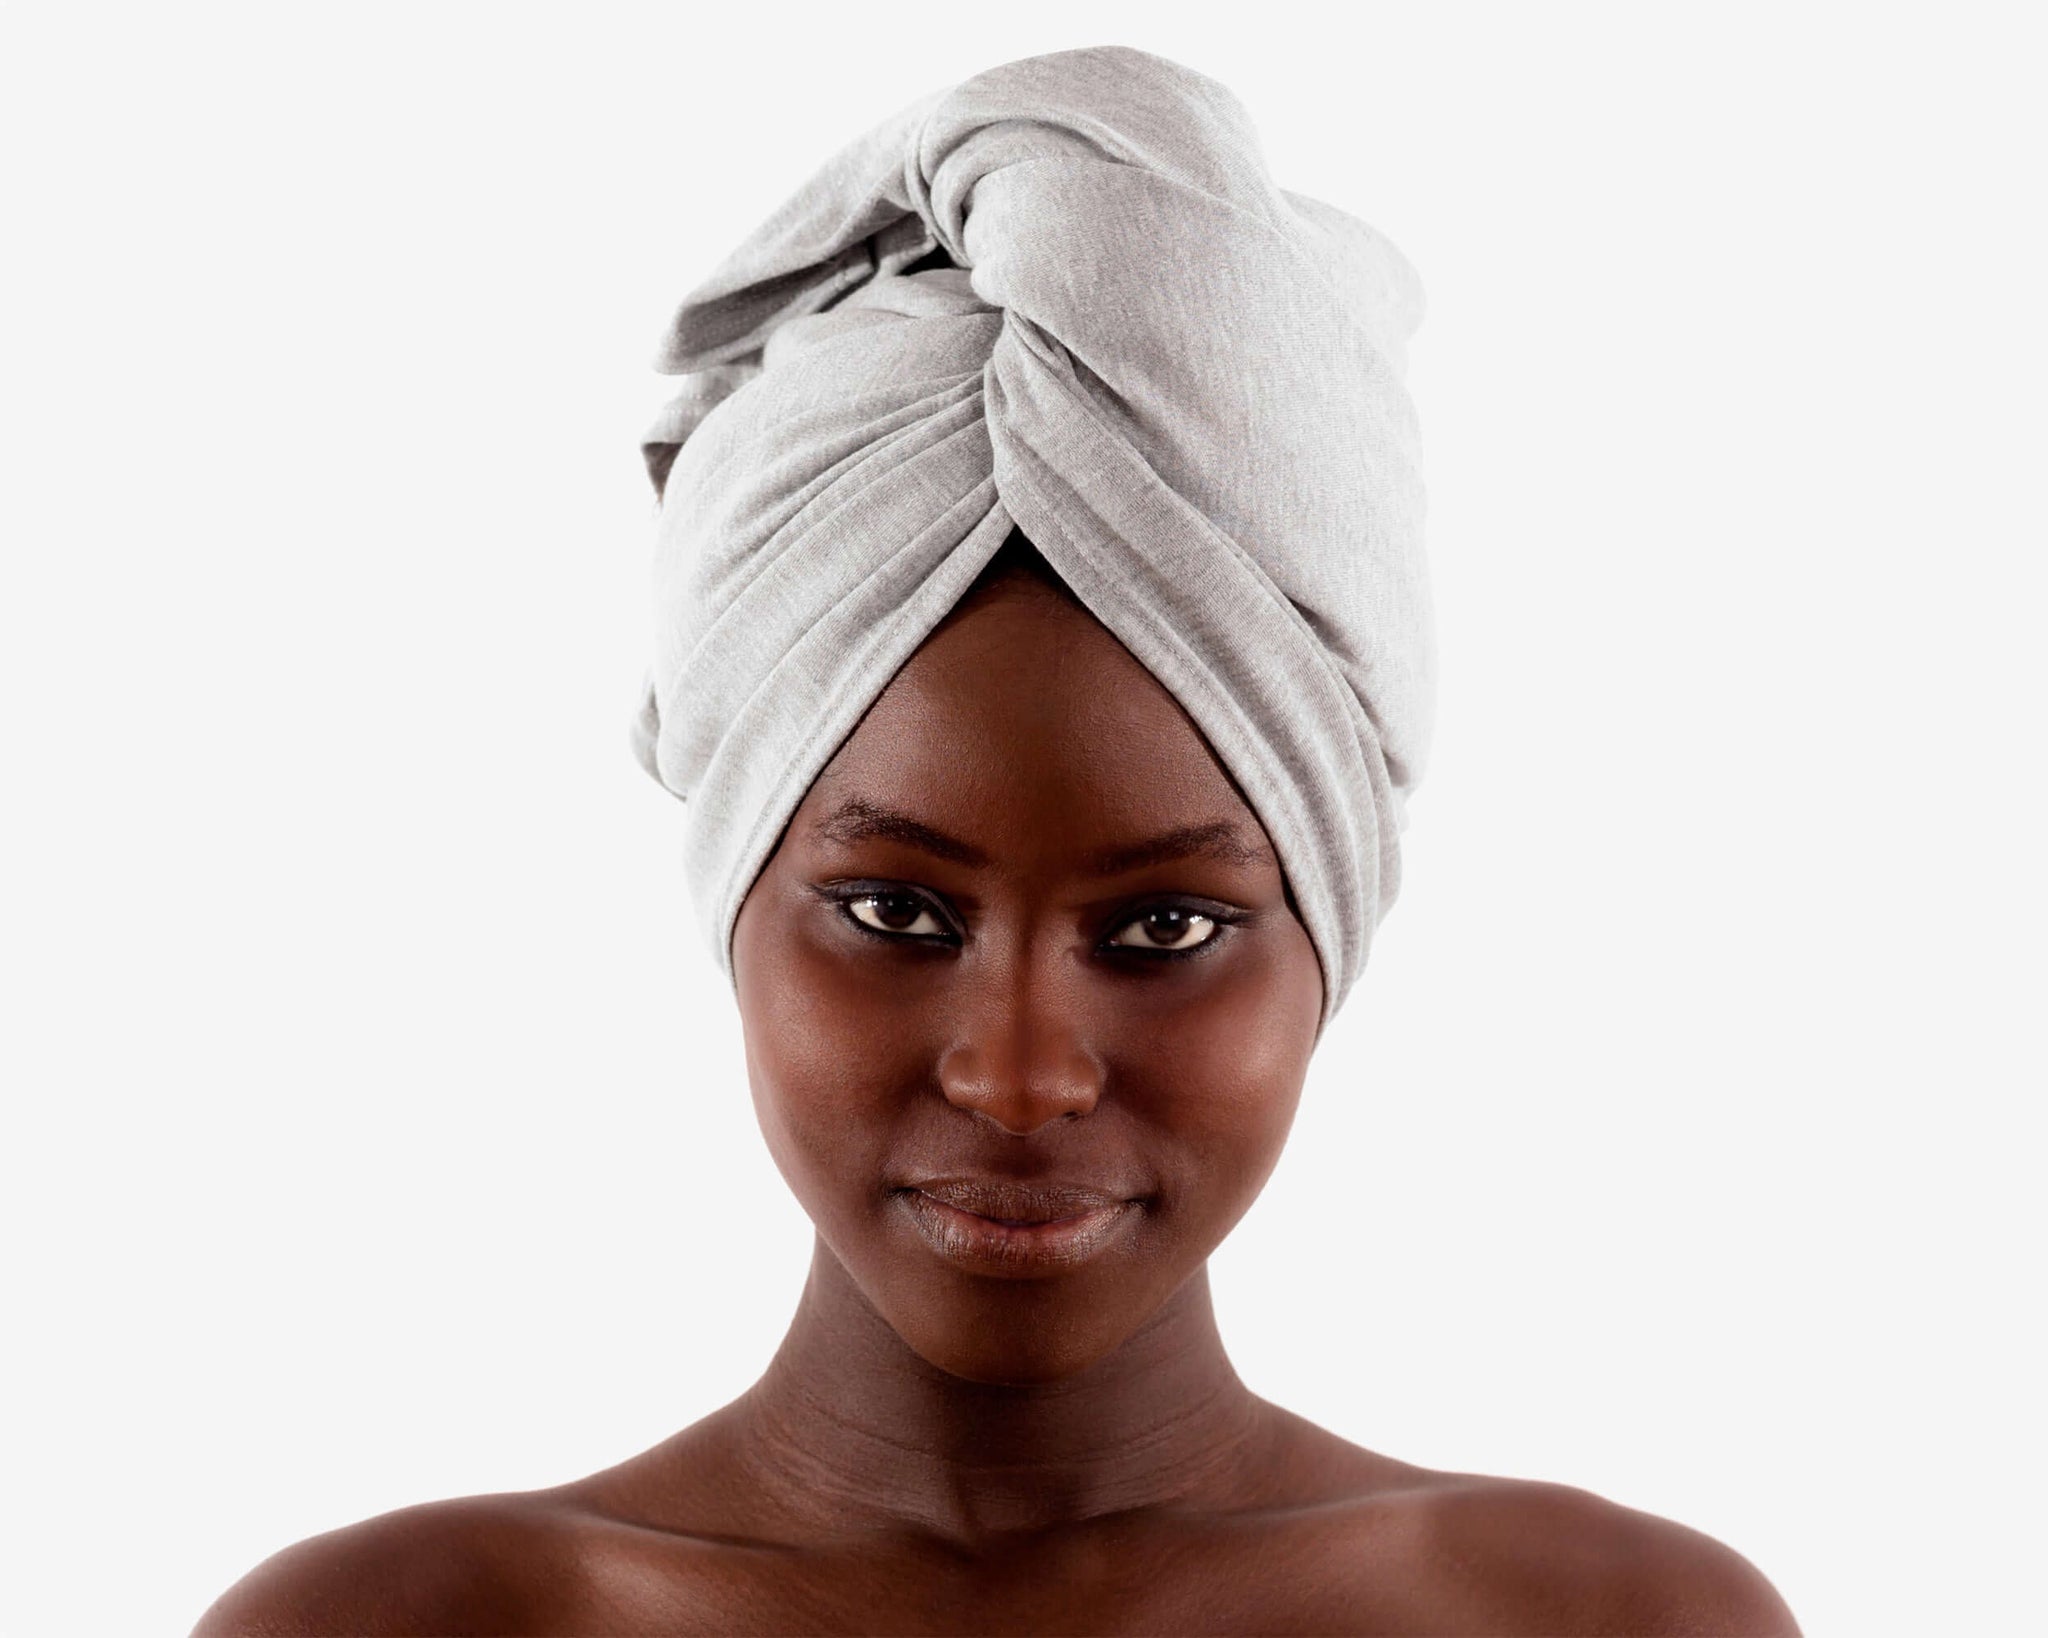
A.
x: 1062, y: 297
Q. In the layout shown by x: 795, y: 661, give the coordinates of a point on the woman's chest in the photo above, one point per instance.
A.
x: 1308, y: 1577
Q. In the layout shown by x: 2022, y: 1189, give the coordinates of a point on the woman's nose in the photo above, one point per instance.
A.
x: 1019, y: 1060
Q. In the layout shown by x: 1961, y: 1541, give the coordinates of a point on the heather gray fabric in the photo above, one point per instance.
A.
x: 1181, y: 383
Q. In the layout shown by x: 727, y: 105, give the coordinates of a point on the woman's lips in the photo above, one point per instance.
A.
x: 1032, y: 1244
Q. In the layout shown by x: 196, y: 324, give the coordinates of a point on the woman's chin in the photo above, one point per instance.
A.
x: 1011, y: 1333
x: 1009, y: 1361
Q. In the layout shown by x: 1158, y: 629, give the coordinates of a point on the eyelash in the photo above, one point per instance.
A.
x: 848, y: 895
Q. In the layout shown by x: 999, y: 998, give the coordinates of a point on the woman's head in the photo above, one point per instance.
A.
x: 1024, y: 930
x: 1003, y: 929
x: 1063, y: 297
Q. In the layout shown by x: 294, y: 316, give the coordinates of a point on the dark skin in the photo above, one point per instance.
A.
x: 947, y: 968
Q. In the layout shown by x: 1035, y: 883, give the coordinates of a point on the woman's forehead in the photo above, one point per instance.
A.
x: 1023, y: 721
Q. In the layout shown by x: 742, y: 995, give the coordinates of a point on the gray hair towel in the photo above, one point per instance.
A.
x: 1063, y: 297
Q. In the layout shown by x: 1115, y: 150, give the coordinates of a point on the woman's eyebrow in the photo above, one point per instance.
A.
x: 857, y: 821
x: 1219, y: 839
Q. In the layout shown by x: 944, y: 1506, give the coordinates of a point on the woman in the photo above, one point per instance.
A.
x: 1043, y: 655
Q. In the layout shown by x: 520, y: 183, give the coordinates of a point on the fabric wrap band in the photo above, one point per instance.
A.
x: 1062, y: 297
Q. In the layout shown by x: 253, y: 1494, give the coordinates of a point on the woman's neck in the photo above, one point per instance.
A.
x: 851, y: 1429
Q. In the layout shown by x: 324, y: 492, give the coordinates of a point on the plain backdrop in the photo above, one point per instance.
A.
x: 376, y: 1128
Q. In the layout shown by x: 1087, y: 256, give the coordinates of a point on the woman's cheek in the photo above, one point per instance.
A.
x: 1224, y: 1072
x: 825, y: 1052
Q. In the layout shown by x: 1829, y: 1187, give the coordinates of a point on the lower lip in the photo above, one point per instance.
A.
x: 1016, y: 1250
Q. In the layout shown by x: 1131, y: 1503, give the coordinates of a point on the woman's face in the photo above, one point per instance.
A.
x: 1024, y: 944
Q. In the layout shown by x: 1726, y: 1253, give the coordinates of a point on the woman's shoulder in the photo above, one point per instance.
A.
x: 1450, y: 1551
x: 1575, y: 1561
x: 496, y: 1563
x: 1459, y: 1551
x: 582, y: 1555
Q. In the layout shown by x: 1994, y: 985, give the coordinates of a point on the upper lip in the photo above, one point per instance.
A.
x: 1013, y: 1202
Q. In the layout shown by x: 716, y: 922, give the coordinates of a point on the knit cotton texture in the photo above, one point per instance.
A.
x: 1062, y: 297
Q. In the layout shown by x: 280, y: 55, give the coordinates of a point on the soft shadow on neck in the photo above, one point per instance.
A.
x: 852, y: 1430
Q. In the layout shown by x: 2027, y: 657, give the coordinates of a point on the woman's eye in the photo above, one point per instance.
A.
x: 1166, y: 928
x: 903, y: 913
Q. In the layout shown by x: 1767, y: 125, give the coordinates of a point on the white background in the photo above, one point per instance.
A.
x: 376, y: 1128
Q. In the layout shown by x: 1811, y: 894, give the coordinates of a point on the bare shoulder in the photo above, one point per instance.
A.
x: 1525, y: 1556
x: 479, y: 1564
